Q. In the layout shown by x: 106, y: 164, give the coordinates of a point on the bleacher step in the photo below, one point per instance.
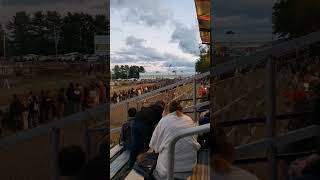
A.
x: 119, y: 163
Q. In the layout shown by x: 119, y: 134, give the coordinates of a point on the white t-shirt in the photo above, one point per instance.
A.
x: 185, y: 149
x: 236, y: 174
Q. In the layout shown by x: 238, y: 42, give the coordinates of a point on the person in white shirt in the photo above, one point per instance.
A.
x: 185, y: 149
x: 223, y: 168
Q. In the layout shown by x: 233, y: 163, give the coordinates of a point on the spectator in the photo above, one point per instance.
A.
x: 77, y: 98
x: 142, y: 129
x: 186, y: 148
x: 70, y: 98
x: 15, y: 112
x: 61, y: 101
x: 126, y: 128
x: 33, y: 112
x: 223, y: 164
x: 71, y: 161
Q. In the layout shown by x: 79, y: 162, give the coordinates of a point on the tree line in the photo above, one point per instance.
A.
x: 127, y: 72
x: 38, y: 33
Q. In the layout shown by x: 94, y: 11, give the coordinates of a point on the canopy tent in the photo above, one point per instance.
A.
x: 203, y: 16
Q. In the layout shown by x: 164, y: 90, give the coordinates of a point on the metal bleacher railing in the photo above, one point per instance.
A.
x: 53, y: 129
x: 116, y: 164
x: 271, y: 143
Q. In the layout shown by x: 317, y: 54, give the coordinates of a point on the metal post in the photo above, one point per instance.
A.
x: 212, y: 78
x: 181, y: 134
x: 4, y: 44
x: 194, y: 96
x: 271, y: 124
x: 86, y: 136
x: 126, y: 110
x: 54, y: 147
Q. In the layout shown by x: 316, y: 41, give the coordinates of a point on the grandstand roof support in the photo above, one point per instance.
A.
x: 270, y: 109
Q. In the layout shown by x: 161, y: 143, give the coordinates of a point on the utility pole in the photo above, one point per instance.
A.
x: 56, y: 41
x: 4, y: 44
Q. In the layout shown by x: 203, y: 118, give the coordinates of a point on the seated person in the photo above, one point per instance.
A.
x: 125, y: 136
x: 185, y: 149
x: 142, y: 128
x: 71, y: 161
x: 224, y: 169
x: 204, y: 119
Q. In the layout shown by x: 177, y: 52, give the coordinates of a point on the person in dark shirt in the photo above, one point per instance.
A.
x: 142, y: 129
x: 15, y: 112
x: 126, y: 129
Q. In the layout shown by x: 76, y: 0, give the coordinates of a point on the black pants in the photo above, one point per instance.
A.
x: 141, y: 135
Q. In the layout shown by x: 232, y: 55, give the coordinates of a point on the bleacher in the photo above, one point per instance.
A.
x: 268, y: 149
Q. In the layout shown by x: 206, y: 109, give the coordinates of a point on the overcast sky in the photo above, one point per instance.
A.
x: 154, y: 34
x: 251, y: 20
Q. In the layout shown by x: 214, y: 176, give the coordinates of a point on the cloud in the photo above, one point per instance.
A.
x: 135, y: 42
x: 186, y: 38
x: 149, y: 12
x: 138, y: 53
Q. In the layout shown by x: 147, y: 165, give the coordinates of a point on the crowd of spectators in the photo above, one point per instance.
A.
x: 29, y: 111
x: 123, y: 95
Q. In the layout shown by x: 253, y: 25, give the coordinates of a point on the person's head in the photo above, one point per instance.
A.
x: 175, y: 106
x: 71, y: 160
x: 161, y: 104
x: 132, y: 112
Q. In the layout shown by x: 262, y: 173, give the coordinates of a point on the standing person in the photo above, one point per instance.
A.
x: 33, y: 112
x: 70, y: 98
x: 42, y: 106
x: 77, y: 98
x: 25, y: 113
x: 186, y: 148
x: 61, y: 101
x: 102, y: 93
x: 85, y: 101
x: 15, y: 112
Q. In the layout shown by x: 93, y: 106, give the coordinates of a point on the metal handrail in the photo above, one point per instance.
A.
x: 188, y: 80
x: 181, y: 134
x: 45, y: 128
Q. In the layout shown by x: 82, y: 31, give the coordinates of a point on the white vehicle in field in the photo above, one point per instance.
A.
x: 30, y: 57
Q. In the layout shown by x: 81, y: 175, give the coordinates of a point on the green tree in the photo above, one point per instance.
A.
x: 294, y: 18
x: 70, y: 33
x: 20, y: 34
x: 116, y: 72
x: 102, y: 25
x: 1, y: 40
x: 203, y: 63
x: 53, y: 25
x: 39, y: 31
